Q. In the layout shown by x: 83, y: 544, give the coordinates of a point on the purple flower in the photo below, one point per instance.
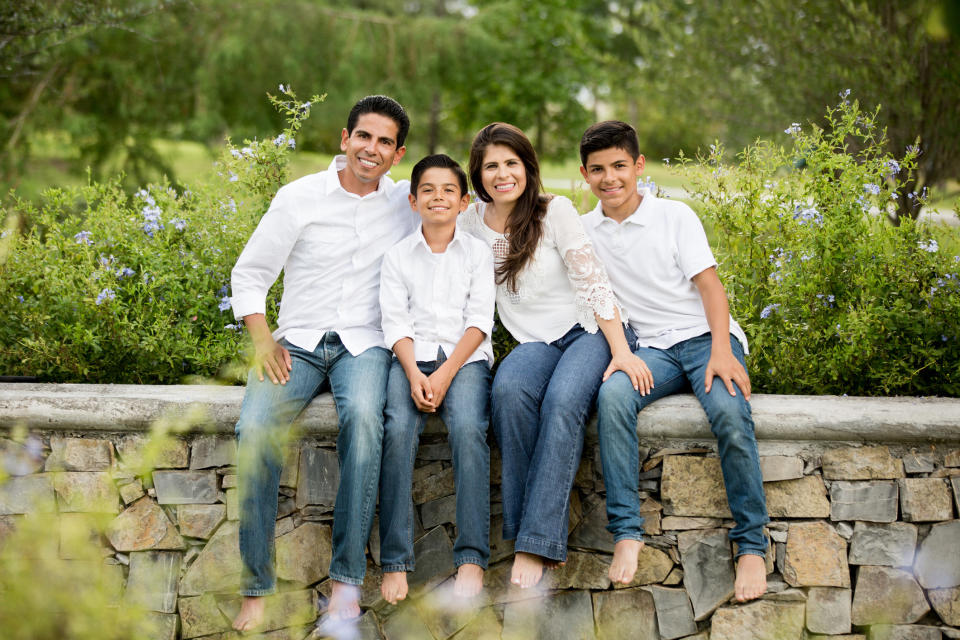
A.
x: 83, y: 238
x: 930, y: 246
x: 223, y: 290
x: 234, y: 153
x: 20, y: 298
x: 893, y: 166
x: 767, y: 310
x: 793, y: 129
x: 224, y: 303
x: 179, y: 224
x: 233, y: 177
x: 105, y: 294
x: 872, y: 188
x: 126, y: 272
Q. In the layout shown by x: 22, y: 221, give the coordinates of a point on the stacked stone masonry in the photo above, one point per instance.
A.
x: 864, y: 532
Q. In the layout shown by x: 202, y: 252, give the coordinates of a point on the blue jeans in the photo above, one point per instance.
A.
x: 465, y: 411
x: 681, y: 368
x: 542, y: 395
x: 359, y: 390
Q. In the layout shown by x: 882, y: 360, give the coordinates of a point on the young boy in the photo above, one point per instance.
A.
x: 436, y: 298
x: 662, y: 270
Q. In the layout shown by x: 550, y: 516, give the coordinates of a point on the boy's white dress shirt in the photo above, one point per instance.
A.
x: 330, y: 244
x: 433, y: 298
x: 651, y: 258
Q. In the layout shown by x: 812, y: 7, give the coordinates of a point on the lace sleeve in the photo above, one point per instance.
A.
x: 594, y: 294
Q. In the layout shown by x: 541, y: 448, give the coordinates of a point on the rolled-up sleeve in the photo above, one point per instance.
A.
x: 396, y: 319
x: 483, y: 290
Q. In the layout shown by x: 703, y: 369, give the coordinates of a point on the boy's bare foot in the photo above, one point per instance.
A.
x: 751, y: 580
x: 527, y: 569
x: 469, y: 580
x: 251, y: 614
x: 394, y: 586
x: 624, y: 564
x: 344, y: 601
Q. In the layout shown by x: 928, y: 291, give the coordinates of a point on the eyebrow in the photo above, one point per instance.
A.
x: 442, y: 184
x: 384, y: 139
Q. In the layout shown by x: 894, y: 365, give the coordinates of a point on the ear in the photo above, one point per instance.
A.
x: 583, y: 171
x: 413, y: 201
x: 641, y: 163
x: 464, y: 202
x: 344, y: 136
x: 399, y: 154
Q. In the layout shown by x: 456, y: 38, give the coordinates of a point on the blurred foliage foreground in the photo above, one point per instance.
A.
x: 102, y: 286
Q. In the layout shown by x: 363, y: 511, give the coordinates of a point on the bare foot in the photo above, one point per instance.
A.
x: 553, y: 564
x: 394, y: 587
x: 344, y: 601
x: 624, y: 564
x: 527, y: 569
x: 469, y: 580
x: 251, y: 614
x: 751, y: 577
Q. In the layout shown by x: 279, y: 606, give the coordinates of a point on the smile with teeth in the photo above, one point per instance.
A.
x: 505, y: 187
x: 367, y: 163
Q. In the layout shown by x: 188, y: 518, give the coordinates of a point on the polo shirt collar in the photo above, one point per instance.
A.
x: 638, y: 217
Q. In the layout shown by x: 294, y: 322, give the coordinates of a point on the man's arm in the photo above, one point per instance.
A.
x: 722, y: 362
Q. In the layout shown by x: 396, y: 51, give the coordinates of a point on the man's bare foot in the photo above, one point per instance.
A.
x: 624, y: 564
x: 251, y: 614
x: 394, y: 586
x: 469, y: 580
x: 751, y: 577
x: 527, y: 569
x: 553, y: 564
x: 344, y: 601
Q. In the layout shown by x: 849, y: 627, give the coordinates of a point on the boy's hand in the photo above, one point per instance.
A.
x: 633, y: 366
x: 274, y: 358
x: 440, y: 381
x: 422, y: 392
x: 726, y: 366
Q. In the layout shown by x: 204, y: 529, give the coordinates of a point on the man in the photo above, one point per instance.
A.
x: 328, y: 232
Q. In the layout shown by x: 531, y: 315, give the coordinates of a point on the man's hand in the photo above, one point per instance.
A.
x: 422, y: 392
x: 273, y: 358
x: 633, y: 366
x: 726, y: 366
x: 440, y: 382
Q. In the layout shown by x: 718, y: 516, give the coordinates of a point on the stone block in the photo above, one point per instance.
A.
x: 485, y: 626
x: 955, y: 485
x: 217, y: 568
x: 440, y: 613
x: 439, y: 511
x: 437, y: 451
x: 889, y: 545
x: 152, y: 581
x: 683, y: 523
x: 707, y: 569
x: 163, y: 626
x: 200, y: 617
x: 952, y: 458
x: 139, y: 451
x: 582, y: 571
x: 925, y: 499
x: 290, y: 472
x: 828, y: 610
x: 303, y: 555
x: 143, y: 525
x: 200, y: 520
x: 131, y: 491
x: 915, y: 462
x: 674, y: 613
x: 875, y: 501
x: 804, y: 497
x: 232, y: 496
x: 229, y: 481
x: 86, y: 491
x: 776, y: 468
x: 185, y: 487
x: 26, y: 494
x: 625, y: 615
x: 946, y: 602
x: 434, y: 554
x: 937, y: 563
x: 405, y: 624
x: 592, y: 532
x: 816, y: 556
x: 79, y: 454
x: 213, y: 451
x: 21, y: 458
x: 653, y: 566
x: 567, y: 614
x: 433, y: 486
x: 319, y: 477
x: 693, y: 486
x: 760, y: 620
x: 291, y: 609
x: 903, y: 632
x: 861, y: 463
x: 887, y: 596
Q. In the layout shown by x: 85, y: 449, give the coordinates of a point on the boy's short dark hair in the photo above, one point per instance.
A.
x: 606, y: 135
x: 437, y: 161
x: 385, y: 106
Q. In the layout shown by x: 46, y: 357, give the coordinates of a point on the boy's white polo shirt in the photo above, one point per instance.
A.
x: 651, y: 258
x: 433, y: 298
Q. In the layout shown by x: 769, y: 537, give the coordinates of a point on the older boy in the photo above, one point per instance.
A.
x: 437, y: 296
x: 328, y: 232
x: 662, y: 270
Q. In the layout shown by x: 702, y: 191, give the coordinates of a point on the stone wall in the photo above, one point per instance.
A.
x: 862, y: 493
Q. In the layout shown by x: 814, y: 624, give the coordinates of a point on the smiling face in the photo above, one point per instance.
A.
x: 612, y: 175
x: 503, y: 176
x: 439, y: 199
x: 371, y: 150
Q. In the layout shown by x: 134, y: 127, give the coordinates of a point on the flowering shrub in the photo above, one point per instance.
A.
x: 100, y: 286
x: 834, y: 298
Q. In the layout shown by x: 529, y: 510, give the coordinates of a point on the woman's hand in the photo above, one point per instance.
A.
x: 634, y: 367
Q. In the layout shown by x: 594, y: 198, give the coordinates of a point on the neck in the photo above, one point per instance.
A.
x: 438, y: 236
x: 625, y: 210
x: 352, y: 184
x: 496, y: 217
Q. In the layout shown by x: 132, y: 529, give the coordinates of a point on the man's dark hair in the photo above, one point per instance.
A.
x: 610, y: 134
x: 437, y: 161
x: 384, y: 106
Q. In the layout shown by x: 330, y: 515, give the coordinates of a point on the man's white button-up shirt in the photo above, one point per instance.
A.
x: 330, y: 244
x: 433, y: 298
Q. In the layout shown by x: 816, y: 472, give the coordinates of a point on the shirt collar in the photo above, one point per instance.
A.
x: 422, y: 242
x: 333, y: 183
x: 638, y: 217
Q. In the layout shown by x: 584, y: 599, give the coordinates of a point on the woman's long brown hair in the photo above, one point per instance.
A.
x: 525, y: 223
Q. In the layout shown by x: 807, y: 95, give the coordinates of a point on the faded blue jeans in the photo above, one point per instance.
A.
x: 542, y: 395
x: 359, y: 391
x: 678, y: 369
x: 465, y: 411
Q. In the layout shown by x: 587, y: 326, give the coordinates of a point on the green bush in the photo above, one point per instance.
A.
x: 100, y: 286
x: 834, y: 298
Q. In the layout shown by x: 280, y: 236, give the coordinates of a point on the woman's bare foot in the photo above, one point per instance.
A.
x: 527, y: 569
x: 751, y: 577
x: 344, y: 601
x: 624, y: 564
x: 394, y: 586
x: 469, y: 580
x: 251, y: 614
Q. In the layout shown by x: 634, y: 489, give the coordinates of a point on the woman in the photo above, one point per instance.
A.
x: 552, y: 295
